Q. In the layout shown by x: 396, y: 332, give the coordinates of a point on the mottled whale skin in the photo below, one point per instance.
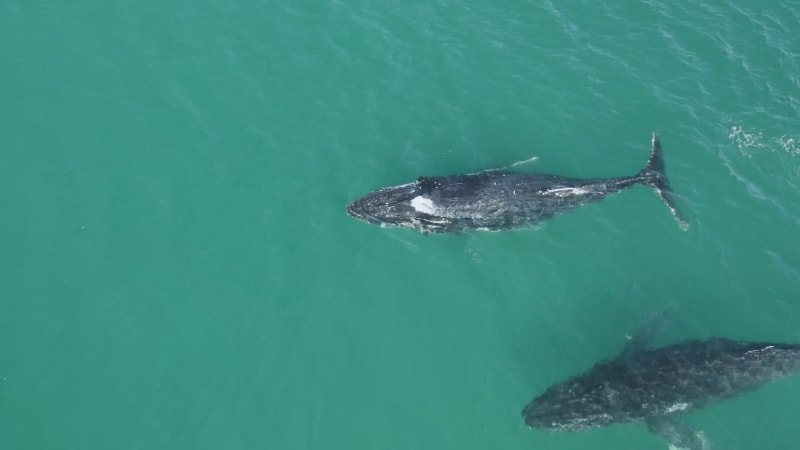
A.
x: 655, y: 386
x: 498, y: 200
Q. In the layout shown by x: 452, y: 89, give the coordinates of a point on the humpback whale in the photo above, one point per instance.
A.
x: 499, y: 200
x: 655, y: 386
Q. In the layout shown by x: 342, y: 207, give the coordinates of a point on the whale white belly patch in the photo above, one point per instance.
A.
x: 423, y: 205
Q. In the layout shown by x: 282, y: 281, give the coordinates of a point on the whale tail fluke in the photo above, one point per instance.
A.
x: 655, y: 176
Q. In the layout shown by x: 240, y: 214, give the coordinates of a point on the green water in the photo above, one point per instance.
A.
x: 178, y: 271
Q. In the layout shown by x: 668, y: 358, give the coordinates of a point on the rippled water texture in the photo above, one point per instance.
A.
x: 179, y: 272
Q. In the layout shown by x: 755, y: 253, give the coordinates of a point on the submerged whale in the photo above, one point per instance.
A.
x: 499, y: 200
x: 655, y: 386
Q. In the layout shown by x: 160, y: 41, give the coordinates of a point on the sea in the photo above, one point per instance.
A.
x: 178, y: 270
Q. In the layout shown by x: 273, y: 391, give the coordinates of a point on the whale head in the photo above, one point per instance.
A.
x: 397, y: 206
x: 569, y: 407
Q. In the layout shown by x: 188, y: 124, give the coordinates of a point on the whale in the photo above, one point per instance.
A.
x: 500, y: 199
x: 656, y: 386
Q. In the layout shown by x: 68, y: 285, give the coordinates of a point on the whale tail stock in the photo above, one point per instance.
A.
x: 655, y: 176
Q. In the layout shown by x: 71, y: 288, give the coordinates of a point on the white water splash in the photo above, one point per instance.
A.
x: 705, y: 443
x: 529, y: 160
x: 755, y: 142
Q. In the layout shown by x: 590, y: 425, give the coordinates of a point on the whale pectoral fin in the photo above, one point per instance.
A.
x: 646, y: 334
x: 678, y: 435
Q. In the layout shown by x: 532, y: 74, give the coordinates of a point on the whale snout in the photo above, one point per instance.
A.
x: 533, y: 418
x: 362, y: 211
x: 385, y: 207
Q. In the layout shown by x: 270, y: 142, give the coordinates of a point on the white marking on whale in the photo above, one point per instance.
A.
x: 423, y: 205
x: 569, y: 191
x: 677, y: 407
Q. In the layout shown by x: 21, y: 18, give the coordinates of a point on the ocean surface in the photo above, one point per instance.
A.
x: 177, y: 270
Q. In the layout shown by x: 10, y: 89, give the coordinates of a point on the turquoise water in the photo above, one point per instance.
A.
x: 178, y: 270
